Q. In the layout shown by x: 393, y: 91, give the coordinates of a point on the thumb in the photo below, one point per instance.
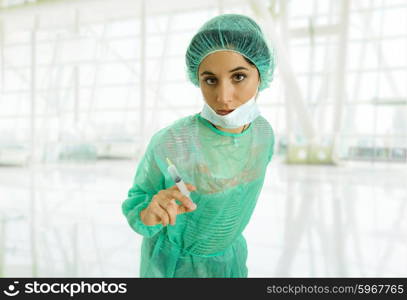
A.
x: 182, y: 209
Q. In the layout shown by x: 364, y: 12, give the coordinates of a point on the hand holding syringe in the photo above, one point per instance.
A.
x: 177, y: 178
x: 163, y: 208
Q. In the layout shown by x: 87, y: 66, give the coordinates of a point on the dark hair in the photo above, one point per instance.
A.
x: 252, y: 63
x: 248, y: 60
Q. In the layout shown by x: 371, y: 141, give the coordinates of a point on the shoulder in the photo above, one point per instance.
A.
x: 264, y: 126
x: 266, y: 133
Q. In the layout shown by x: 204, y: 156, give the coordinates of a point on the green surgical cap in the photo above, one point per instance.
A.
x: 231, y: 32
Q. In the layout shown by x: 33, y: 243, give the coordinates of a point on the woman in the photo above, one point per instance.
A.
x: 221, y: 152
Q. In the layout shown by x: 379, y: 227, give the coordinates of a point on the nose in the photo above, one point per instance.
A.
x: 225, y: 94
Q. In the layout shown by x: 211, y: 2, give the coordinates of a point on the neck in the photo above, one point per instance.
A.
x: 233, y: 130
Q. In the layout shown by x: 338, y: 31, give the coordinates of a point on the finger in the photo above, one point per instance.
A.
x: 166, y: 198
x: 181, y: 209
x: 191, y: 187
x: 163, y: 197
x: 186, y: 201
x: 172, y: 208
x: 162, y: 214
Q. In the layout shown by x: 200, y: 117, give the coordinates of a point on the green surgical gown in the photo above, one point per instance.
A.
x: 228, y: 170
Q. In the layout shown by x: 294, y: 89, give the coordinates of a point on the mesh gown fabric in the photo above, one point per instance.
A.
x: 228, y: 171
x: 232, y: 32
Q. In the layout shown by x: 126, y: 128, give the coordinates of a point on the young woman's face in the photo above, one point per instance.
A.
x: 227, y: 81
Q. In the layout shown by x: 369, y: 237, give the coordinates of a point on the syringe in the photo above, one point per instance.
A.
x: 177, y: 178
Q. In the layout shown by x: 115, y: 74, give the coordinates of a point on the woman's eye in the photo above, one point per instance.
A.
x: 210, y: 81
x: 239, y: 77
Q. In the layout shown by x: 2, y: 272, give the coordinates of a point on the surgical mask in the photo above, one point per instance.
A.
x: 242, y: 115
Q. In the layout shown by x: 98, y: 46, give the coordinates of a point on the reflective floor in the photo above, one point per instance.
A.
x: 310, y: 221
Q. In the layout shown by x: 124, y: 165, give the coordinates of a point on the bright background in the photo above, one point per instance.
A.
x: 85, y: 84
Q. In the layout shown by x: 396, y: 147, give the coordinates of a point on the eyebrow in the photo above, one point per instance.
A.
x: 233, y: 70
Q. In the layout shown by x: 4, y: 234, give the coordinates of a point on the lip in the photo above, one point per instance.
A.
x: 224, y: 112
